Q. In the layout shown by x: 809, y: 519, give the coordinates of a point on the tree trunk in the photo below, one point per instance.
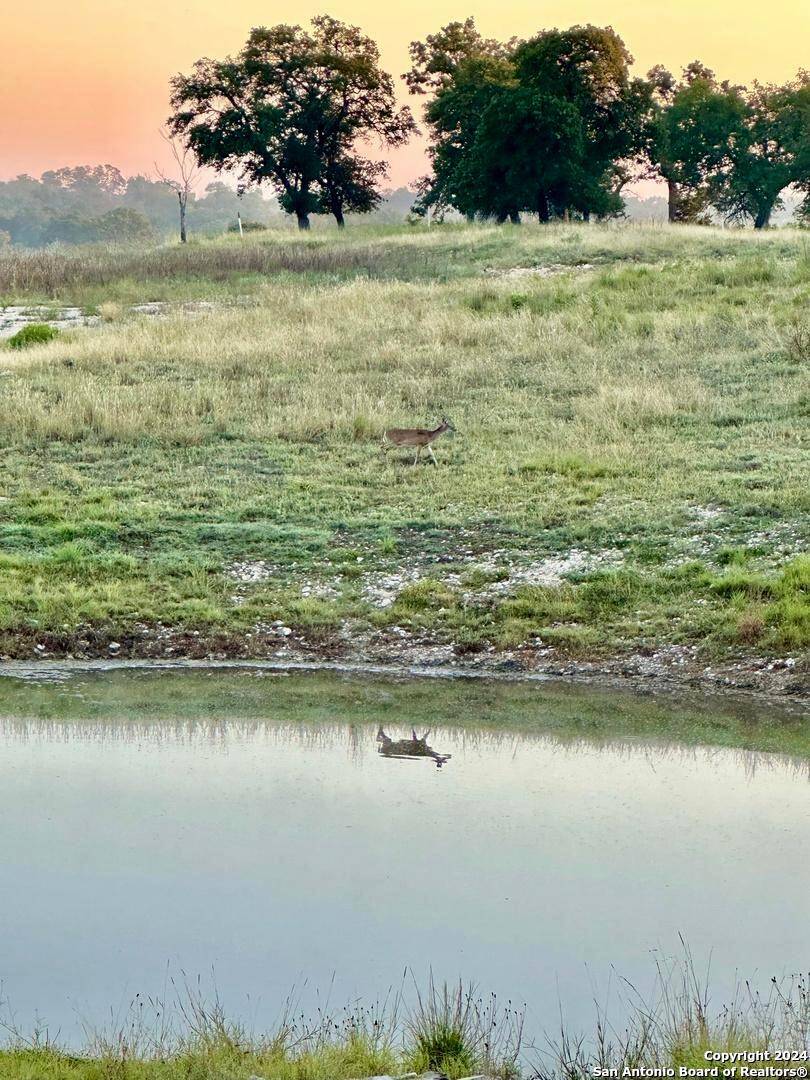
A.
x: 303, y: 219
x: 337, y: 214
x: 672, y: 200
x: 543, y: 212
x: 763, y: 217
x: 514, y: 217
x: 182, y: 202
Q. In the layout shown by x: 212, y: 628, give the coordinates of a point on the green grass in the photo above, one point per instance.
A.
x: 630, y: 425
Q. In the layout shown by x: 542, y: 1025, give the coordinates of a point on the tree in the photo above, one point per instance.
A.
x: 583, y: 72
x: 124, y: 225
x: 436, y: 60
x: 96, y: 186
x: 461, y: 71
x: 797, y: 136
x: 691, y: 131
x: 183, y: 183
x: 455, y: 116
x: 350, y: 184
x: 290, y: 110
x: 767, y: 151
x: 524, y: 154
x: 359, y: 106
x: 548, y: 125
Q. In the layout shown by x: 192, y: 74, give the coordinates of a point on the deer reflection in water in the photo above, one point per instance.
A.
x: 409, y: 748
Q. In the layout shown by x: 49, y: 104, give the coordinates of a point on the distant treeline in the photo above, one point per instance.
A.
x: 97, y: 202
x: 89, y: 203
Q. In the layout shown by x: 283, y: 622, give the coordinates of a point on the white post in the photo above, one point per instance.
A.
x: 239, y: 219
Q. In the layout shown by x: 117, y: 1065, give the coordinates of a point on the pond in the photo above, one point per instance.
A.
x: 243, y: 826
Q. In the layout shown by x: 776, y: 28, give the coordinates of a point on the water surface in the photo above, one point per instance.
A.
x: 243, y: 827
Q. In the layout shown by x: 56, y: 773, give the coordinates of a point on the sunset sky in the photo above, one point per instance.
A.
x: 87, y: 82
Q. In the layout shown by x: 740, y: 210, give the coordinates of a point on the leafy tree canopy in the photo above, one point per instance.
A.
x: 549, y: 125
x: 290, y: 110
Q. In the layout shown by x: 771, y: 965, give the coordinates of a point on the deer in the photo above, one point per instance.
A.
x: 418, y: 437
x: 415, y: 747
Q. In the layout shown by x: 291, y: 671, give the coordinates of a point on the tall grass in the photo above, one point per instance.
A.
x: 376, y: 251
x: 448, y: 1029
x: 53, y: 272
x: 454, y: 1030
x: 677, y: 1027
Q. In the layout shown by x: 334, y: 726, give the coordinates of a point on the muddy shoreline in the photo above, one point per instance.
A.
x: 784, y: 683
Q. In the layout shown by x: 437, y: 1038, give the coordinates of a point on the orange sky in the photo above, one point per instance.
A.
x: 85, y: 82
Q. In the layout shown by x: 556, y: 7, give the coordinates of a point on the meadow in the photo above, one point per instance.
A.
x: 628, y: 476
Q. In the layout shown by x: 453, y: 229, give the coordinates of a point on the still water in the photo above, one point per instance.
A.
x: 245, y: 828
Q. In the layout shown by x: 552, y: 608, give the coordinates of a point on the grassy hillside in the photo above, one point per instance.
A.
x: 629, y: 473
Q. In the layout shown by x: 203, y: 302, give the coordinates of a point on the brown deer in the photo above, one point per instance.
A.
x: 418, y: 437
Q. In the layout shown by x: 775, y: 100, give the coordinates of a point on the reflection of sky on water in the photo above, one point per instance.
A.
x: 277, y: 854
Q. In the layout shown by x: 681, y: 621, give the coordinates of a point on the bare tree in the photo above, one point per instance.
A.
x: 188, y: 171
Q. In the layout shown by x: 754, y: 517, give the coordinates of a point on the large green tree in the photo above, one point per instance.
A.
x: 766, y: 153
x: 797, y: 136
x: 583, y: 73
x: 548, y: 125
x: 692, y: 128
x: 526, y: 153
x: 455, y: 115
x: 291, y: 110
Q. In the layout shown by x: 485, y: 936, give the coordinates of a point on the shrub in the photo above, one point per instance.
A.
x: 362, y: 429
x: 33, y: 334
x: 607, y: 591
x: 454, y: 1031
x: 732, y: 556
x: 794, y: 581
x: 788, y: 619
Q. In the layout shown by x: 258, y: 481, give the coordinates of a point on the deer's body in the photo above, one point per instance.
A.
x: 418, y: 437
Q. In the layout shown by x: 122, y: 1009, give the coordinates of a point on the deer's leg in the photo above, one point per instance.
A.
x: 416, y: 455
x: 432, y: 455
